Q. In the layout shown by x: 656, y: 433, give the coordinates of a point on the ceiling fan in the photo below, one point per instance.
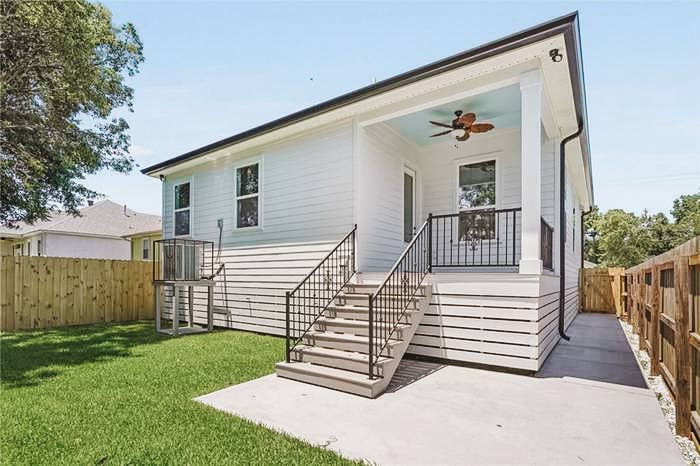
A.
x: 462, y: 126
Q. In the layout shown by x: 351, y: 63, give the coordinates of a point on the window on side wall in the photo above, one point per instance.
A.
x: 38, y: 247
x: 476, y: 191
x: 182, y: 210
x: 145, y: 249
x: 248, y: 196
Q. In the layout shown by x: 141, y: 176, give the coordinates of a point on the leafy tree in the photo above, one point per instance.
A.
x: 64, y: 66
x: 622, y: 238
x: 592, y: 250
x: 619, y: 238
x: 686, y: 212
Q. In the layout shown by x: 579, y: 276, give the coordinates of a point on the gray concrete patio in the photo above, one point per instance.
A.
x: 589, y: 404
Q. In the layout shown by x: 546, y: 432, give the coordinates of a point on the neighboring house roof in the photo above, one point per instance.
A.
x: 566, y: 25
x: 104, y: 218
x: 157, y: 231
x: 589, y: 265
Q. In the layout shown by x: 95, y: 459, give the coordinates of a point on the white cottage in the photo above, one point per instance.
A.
x: 355, y: 231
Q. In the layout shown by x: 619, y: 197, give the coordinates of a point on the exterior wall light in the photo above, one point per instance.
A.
x: 555, y: 55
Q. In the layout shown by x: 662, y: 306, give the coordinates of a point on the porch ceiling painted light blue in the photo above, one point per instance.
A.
x: 500, y: 107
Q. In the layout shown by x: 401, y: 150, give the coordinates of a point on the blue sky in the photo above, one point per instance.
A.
x: 213, y: 69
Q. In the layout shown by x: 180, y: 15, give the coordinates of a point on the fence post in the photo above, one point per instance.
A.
x: 654, y: 335
x: 639, y: 299
x: 682, y: 345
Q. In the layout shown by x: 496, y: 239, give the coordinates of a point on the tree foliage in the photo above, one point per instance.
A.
x: 623, y: 239
x: 64, y: 66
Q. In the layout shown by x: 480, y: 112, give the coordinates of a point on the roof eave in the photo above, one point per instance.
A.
x: 567, y: 25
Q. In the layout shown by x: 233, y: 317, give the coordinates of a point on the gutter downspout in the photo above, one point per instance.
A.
x: 562, y: 224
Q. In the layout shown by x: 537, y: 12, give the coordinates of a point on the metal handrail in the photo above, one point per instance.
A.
x: 352, y: 232
x: 475, y: 238
x: 314, y: 285
x: 420, y: 258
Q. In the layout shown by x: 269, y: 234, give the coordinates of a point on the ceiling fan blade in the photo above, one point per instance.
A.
x: 441, y: 133
x: 467, y: 119
x: 464, y: 137
x: 481, y: 127
x: 441, y: 124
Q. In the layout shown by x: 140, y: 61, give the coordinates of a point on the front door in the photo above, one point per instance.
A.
x: 409, y: 204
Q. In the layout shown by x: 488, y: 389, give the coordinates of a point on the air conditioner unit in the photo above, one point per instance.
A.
x: 182, y: 261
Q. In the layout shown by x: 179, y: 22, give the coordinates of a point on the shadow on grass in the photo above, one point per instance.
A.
x: 33, y: 357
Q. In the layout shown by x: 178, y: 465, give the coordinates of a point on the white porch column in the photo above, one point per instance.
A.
x: 531, y: 179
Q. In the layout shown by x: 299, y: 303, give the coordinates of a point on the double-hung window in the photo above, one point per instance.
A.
x: 476, y: 191
x: 248, y: 196
x: 182, y: 209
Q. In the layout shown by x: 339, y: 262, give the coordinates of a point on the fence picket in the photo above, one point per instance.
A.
x: 41, y: 292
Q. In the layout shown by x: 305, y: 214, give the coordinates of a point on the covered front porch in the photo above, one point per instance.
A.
x: 488, y: 202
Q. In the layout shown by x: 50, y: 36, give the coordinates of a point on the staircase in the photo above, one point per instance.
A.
x: 335, y: 352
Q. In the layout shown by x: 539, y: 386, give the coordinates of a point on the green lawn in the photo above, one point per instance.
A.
x: 120, y: 394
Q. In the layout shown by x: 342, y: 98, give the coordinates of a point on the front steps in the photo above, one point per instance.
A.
x: 334, y: 354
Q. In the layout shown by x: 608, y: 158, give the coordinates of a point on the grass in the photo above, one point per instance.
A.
x: 120, y: 394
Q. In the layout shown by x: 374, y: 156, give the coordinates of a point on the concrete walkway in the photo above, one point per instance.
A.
x: 589, y: 404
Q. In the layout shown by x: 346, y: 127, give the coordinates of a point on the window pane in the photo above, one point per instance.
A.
x: 476, y: 226
x: 182, y: 196
x: 477, y: 185
x: 182, y: 223
x: 145, y: 248
x: 248, y: 212
x: 247, y: 180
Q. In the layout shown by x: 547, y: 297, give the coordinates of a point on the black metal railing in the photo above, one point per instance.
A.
x: 388, y: 305
x: 179, y: 259
x: 476, y: 238
x: 546, y: 244
x: 310, y: 298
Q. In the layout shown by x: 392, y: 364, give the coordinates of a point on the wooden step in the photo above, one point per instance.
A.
x: 345, y: 360
x: 360, y: 299
x: 330, y: 377
x: 346, y: 342
x: 362, y: 313
x: 355, y: 327
x: 365, y: 288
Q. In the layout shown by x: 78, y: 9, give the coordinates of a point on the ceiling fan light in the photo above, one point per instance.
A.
x: 458, y: 132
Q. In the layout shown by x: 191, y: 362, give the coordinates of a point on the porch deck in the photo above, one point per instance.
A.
x: 588, y: 404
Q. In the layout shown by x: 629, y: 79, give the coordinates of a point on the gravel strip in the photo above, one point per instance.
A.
x: 657, y: 384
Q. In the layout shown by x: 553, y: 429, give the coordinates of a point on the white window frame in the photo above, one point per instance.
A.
x: 147, y: 243
x: 190, y: 208
x: 470, y: 160
x: 244, y: 163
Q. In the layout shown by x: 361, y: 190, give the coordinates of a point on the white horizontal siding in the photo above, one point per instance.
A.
x: 306, y: 192
x: 250, y: 292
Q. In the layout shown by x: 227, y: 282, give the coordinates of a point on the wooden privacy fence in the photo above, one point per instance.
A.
x: 602, y: 290
x: 40, y: 292
x: 663, y: 304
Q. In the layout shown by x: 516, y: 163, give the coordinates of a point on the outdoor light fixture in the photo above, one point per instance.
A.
x: 555, y: 55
